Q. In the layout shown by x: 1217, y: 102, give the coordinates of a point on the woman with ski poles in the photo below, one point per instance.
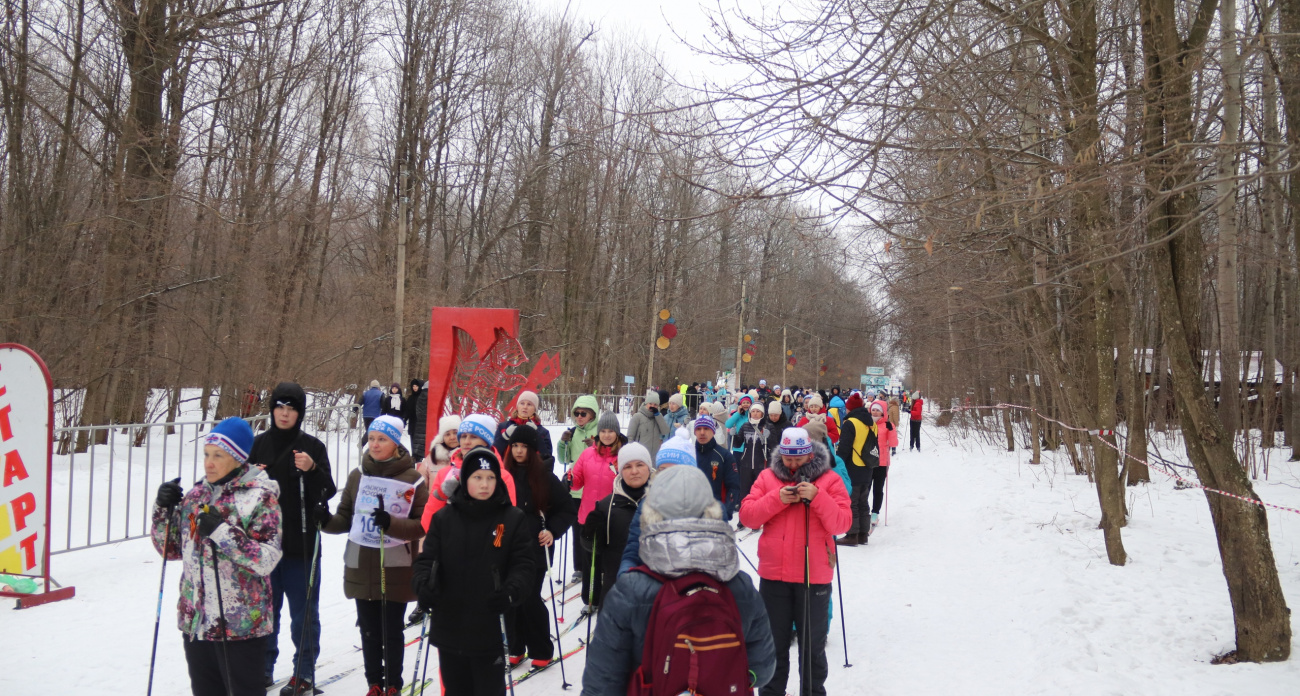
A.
x: 226, y: 530
x: 380, y: 510
x: 477, y: 563
x: 606, y: 528
x: 800, y: 503
x: 548, y: 514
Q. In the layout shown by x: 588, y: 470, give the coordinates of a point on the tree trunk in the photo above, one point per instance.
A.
x: 1260, y: 614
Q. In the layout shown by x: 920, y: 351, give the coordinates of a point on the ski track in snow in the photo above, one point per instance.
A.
x: 989, y: 577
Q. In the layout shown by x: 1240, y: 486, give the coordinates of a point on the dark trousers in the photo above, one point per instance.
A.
x: 532, y: 624
x: 417, y: 447
x: 915, y: 440
x: 207, y: 673
x: 785, y: 611
x: 289, y: 579
x: 878, y: 476
x: 471, y: 675
x: 858, y: 499
x: 371, y: 617
x: 582, y: 562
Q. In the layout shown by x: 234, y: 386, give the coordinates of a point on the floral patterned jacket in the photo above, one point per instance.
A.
x: 248, y: 546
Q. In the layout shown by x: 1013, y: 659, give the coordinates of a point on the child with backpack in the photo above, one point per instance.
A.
x: 670, y: 625
x: 800, y: 503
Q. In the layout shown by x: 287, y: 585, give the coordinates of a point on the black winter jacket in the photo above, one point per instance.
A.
x: 273, y: 451
x: 464, y: 561
x: 562, y: 514
x: 606, y: 530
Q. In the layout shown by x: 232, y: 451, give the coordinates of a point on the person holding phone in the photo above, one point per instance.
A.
x: 801, y: 504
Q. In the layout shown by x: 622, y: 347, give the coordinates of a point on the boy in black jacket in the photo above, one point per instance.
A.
x: 300, y: 464
x: 476, y: 565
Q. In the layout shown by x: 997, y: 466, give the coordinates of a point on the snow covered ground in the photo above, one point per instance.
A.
x: 989, y: 578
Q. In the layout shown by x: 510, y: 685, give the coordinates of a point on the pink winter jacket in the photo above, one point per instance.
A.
x: 594, y: 474
x: 888, y: 435
x: 780, y: 548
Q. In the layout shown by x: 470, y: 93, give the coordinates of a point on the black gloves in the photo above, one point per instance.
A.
x: 169, y: 494
x: 322, y: 514
x: 208, y: 522
x: 499, y: 601
x: 382, y: 518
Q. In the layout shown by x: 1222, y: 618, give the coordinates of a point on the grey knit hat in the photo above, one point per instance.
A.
x: 652, y: 397
x: 609, y: 421
x: 680, y: 492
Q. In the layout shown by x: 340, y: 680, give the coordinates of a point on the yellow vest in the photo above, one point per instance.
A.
x: 860, y: 432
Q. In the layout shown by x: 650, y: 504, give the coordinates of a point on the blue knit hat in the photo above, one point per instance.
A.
x: 388, y: 426
x: 480, y: 425
x: 234, y: 436
x: 705, y: 422
x: 678, y: 449
x: 795, y: 442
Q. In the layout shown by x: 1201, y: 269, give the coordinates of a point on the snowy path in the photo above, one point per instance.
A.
x: 990, y: 578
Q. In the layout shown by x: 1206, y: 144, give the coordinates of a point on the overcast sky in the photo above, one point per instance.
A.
x: 655, y: 21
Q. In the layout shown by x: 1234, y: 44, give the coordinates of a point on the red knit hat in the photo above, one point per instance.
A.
x: 855, y: 402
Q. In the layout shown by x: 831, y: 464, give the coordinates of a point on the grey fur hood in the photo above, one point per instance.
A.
x: 820, y: 464
x: 688, y: 545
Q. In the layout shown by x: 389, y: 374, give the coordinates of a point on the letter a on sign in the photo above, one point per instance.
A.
x: 27, y: 412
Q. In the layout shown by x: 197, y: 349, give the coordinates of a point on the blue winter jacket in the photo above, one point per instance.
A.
x: 675, y: 419
x: 615, y: 651
x: 372, y: 402
x: 720, y: 467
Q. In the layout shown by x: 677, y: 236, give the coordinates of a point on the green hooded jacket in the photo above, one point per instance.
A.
x: 569, y: 451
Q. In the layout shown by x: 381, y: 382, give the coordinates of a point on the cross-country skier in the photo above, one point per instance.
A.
x: 288, y: 454
x: 682, y: 533
x: 606, y: 528
x: 477, y: 563
x: 594, y: 474
x: 380, y: 511
x: 859, y: 447
x: 718, y: 465
x: 572, y: 443
x: 226, y: 530
x: 548, y: 514
x: 801, y: 504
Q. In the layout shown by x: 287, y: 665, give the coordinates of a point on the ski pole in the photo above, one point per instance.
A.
x: 843, y: 631
x: 424, y: 676
x: 886, y: 500
x: 303, y: 648
x: 505, y: 637
x: 423, y: 645
x: 742, y: 555
x: 804, y: 685
x: 162, y: 583
x: 221, y: 614
x: 555, y: 614
x: 383, y: 601
x: 505, y: 653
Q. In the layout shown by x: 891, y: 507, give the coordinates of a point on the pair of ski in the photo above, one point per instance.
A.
x: 534, y: 671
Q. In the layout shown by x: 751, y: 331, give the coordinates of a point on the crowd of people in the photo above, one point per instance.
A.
x: 468, y: 530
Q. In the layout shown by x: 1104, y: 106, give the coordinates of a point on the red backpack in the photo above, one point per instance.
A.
x: 694, y: 642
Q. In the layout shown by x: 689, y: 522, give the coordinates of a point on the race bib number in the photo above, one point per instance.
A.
x: 398, y: 498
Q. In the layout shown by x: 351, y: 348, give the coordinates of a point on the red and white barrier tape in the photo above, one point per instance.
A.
x: 1122, y: 453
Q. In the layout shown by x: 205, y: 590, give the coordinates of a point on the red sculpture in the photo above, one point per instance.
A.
x: 472, y: 355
